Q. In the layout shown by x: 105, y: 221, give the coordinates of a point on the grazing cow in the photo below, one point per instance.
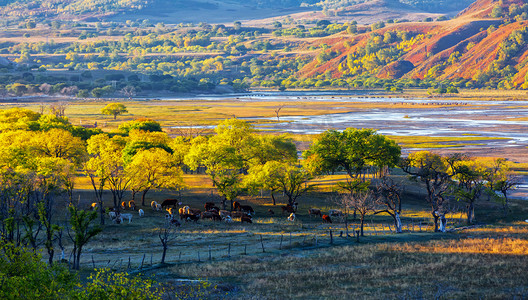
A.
x: 126, y: 216
x: 239, y: 214
x: 195, y: 211
x: 141, y: 212
x: 158, y: 207
x: 315, y: 212
x: 132, y: 204
x: 228, y: 219
x: 211, y: 215
x: 246, y: 219
x: 287, y: 208
x: 186, y: 210
x: 224, y: 214
x: 209, y: 205
x: 175, y: 222
x: 153, y: 204
x: 113, y: 215
x: 123, y: 205
x: 291, y: 217
x: 245, y: 208
x: 335, y: 213
x: 271, y: 212
x: 326, y: 219
x: 93, y: 206
x: 189, y: 217
x: 169, y: 202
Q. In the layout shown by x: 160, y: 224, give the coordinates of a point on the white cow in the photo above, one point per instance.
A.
x: 141, y: 212
x: 126, y: 216
x: 291, y: 217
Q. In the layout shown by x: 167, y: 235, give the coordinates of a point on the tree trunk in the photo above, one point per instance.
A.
x: 78, y: 261
x: 50, y: 253
x: 143, y: 197
x: 164, y: 253
x: 443, y: 223
x: 362, y: 223
x: 74, y: 257
x: 397, y: 223
x: 102, y: 211
x: 346, y: 222
x: 469, y: 213
x: 273, y: 198
x: 435, y: 222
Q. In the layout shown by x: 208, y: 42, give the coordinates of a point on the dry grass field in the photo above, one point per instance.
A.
x: 274, y: 258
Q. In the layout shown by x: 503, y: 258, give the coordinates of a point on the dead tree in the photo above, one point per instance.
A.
x: 388, y: 195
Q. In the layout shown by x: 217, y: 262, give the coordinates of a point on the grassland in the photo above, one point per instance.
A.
x: 277, y: 259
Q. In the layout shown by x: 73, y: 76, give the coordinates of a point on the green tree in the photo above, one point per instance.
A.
x: 83, y: 231
x: 154, y: 169
x: 226, y: 155
x: 114, y: 109
x: 352, y: 151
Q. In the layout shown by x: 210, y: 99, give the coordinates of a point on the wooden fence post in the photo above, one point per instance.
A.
x: 262, y: 244
x: 141, y: 267
x: 331, y: 237
x: 280, y: 246
x: 229, y: 250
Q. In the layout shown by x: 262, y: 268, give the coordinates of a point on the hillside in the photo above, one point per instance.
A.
x: 474, y: 48
x: 222, y: 11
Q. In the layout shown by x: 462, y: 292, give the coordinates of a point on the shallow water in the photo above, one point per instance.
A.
x: 488, y: 119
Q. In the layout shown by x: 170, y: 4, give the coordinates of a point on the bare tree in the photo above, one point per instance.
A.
x: 388, y: 194
x: 277, y: 111
x: 166, y: 235
x: 363, y: 203
x: 70, y: 90
x: 129, y: 91
x: 46, y: 88
x: 436, y: 172
x: 58, y: 109
x: 189, y: 130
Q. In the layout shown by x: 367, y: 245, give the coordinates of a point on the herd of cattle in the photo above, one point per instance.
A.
x: 185, y: 213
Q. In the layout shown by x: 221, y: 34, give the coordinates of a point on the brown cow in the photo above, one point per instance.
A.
x: 245, y: 208
x: 209, y: 205
x: 211, y: 215
x: 190, y: 217
x: 239, y: 214
x: 246, y: 219
x: 287, y: 208
x: 169, y: 202
x: 326, y: 219
x: 315, y: 212
x: 132, y: 204
x: 175, y: 222
x: 123, y: 205
x: 195, y: 211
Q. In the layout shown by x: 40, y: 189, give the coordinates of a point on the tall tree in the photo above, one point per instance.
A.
x: 225, y: 155
x: 154, y: 169
x: 352, y: 150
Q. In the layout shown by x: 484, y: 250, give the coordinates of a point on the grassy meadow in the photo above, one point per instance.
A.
x: 274, y: 258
